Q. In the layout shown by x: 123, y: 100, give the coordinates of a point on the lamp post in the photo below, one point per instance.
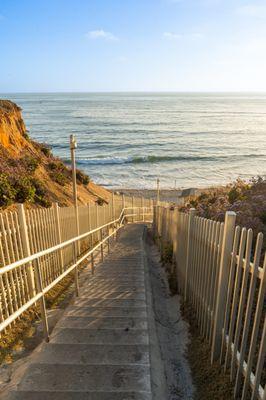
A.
x: 73, y: 146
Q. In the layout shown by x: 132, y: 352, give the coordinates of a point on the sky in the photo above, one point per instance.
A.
x: 132, y: 45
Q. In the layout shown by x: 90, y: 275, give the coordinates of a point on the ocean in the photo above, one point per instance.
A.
x: 127, y: 140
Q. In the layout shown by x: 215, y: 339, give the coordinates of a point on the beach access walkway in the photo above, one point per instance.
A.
x: 100, y: 348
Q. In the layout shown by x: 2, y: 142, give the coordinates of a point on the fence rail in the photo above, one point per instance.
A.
x: 40, y: 247
x: 219, y: 274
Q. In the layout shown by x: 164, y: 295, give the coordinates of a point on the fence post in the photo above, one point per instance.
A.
x: 132, y: 208
x: 97, y: 221
x: 192, y: 213
x: 26, y: 247
x: 224, y: 271
x: 113, y: 206
x: 58, y: 232
x: 142, y: 205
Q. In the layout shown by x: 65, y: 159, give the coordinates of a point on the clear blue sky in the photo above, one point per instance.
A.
x: 132, y: 45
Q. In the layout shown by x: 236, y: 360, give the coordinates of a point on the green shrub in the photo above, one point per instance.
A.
x: 233, y: 195
x: 82, y: 178
x: 58, y: 177
x: 263, y: 217
x: 30, y: 163
x: 52, y: 165
x: 26, y: 135
x: 24, y: 189
x: 100, y: 201
x: 45, y: 149
x: 167, y: 253
x: 7, y: 192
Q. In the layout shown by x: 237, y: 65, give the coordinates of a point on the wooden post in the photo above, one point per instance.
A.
x: 132, y: 208
x: 192, y: 213
x: 73, y: 146
x: 90, y: 224
x: 113, y: 206
x: 76, y: 271
x: 142, y: 205
x: 224, y: 271
x: 158, y: 191
x: 97, y: 220
x: 101, y: 233
x: 26, y: 247
x: 42, y: 300
x: 92, y: 263
x: 58, y: 232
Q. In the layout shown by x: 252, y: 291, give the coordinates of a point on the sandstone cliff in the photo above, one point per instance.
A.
x: 30, y: 173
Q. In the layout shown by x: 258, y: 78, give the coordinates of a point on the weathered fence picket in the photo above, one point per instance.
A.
x: 227, y: 290
x: 39, y: 247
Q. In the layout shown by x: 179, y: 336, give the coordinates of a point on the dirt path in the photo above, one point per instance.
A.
x: 171, y: 330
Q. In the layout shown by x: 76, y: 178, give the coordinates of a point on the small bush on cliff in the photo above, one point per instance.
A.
x: 25, y: 190
x: 59, y: 173
x: 44, y: 148
x: 30, y: 163
x: 82, y: 178
x: 7, y: 192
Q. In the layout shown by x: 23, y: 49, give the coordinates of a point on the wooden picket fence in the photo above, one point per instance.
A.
x: 219, y: 274
x: 39, y: 247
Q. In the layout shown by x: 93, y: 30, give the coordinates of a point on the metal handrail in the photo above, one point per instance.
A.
x: 41, y: 291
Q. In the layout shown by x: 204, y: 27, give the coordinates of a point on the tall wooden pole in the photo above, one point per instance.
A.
x: 73, y: 146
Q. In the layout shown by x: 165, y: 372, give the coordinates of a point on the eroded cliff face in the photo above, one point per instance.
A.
x: 30, y: 173
x: 12, y: 127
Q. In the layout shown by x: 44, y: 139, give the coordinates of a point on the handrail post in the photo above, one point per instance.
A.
x: 92, y: 263
x: 89, y: 224
x: 192, y: 213
x: 113, y: 206
x: 97, y: 220
x: 132, y: 208
x: 224, y: 271
x: 26, y: 247
x: 76, y: 269
x: 42, y: 300
x: 101, y: 235
x: 58, y: 232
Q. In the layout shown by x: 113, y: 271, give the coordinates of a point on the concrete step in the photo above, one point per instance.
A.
x: 55, y: 353
x: 96, y: 292
x: 100, y: 336
x: 112, y: 286
x: 114, y: 295
x: 98, y: 301
x: 102, y: 323
x: 101, y: 312
x: 82, y: 378
x: 51, y: 395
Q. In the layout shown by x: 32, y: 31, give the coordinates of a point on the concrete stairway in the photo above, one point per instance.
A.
x: 99, y: 350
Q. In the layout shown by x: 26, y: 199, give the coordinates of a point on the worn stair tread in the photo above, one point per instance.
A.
x: 98, y: 301
x: 105, y: 311
x: 83, y: 378
x: 101, y: 336
x: 99, y: 395
x: 98, y: 322
x: 56, y: 353
x: 114, y: 295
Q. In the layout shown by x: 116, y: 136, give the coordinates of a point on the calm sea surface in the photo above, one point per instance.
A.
x: 130, y: 139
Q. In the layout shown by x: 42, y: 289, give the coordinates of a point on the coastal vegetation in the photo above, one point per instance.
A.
x: 246, y: 198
